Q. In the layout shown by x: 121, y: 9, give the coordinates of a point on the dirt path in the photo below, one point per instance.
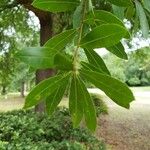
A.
x: 127, y: 129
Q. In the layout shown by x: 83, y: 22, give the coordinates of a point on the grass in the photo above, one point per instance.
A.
x: 14, y: 101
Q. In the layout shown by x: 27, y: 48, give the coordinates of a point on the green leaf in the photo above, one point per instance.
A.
x: 147, y: 4
x: 37, y: 57
x: 118, y: 50
x: 96, y: 60
x: 77, y: 16
x: 143, y: 20
x: 130, y: 12
x: 60, y: 41
x: 102, y: 17
x: 91, y: 67
x: 88, y: 107
x: 54, y: 99
x: 103, y: 36
x: 44, y: 89
x: 122, y: 3
x: 113, y: 88
x: 56, y: 5
x: 118, y: 11
x: 62, y: 62
x: 75, y: 102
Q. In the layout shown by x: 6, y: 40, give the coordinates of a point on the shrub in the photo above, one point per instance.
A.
x: 100, y: 105
x: 23, y: 130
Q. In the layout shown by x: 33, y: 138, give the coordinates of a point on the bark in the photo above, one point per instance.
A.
x: 3, y: 92
x: 46, y: 20
x: 22, y: 90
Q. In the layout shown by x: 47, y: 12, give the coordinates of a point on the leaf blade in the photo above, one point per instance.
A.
x: 143, y: 19
x: 103, y: 36
x: 44, y: 89
x: 96, y: 60
x: 61, y: 39
x: 75, y: 104
x: 118, y: 50
x: 103, y: 17
x: 37, y: 57
x: 89, y: 109
x: 56, y: 5
x: 122, y: 3
x: 113, y: 88
x: 54, y: 99
x: 63, y: 62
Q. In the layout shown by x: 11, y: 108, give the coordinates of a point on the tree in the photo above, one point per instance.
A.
x: 92, y: 29
x: 15, y: 32
x: 48, y: 22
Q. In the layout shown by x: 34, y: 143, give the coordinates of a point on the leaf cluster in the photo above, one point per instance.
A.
x: 91, y: 29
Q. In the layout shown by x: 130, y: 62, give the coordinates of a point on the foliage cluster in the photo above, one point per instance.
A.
x: 135, y: 71
x: 100, y: 105
x: 91, y: 29
x: 25, y: 130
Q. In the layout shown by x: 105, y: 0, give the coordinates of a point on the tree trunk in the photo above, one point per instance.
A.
x: 3, y: 92
x: 22, y: 90
x: 46, y: 21
x: 45, y: 34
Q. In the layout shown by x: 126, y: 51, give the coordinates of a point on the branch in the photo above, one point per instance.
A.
x: 42, y: 15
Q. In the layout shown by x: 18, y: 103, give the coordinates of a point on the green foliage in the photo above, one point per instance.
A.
x: 26, y: 130
x: 90, y: 29
x: 44, y: 88
x: 56, y: 5
x: 40, y: 57
x: 96, y: 60
x: 118, y: 50
x: 146, y: 4
x: 135, y: 71
x: 117, y: 91
x: 100, y: 105
x: 122, y: 3
x: 103, y: 36
x: 143, y: 20
x: 16, y: 31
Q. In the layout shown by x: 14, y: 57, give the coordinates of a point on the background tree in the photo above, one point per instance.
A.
x: 17, y: 29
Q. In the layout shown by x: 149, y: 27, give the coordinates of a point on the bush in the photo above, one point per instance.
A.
x: 134, y: 82
x: 100, y: 105
x: 25, y: 130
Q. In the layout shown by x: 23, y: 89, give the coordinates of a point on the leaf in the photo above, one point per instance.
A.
x: 118, y: 11
x: 54, y: 99
x: 96, y: 60
x: 77, y: 16
x: 89, y: 109
x: 103, y: 36
x: 62, y: 62
x: 56, y: 5
x: 113, y: 88
x: 59, y: 41
x: 37, y: 57
x: 143, y: 20
x: 44, y: 89
x: 118, y: 50
x: 102, y: 17
x: 91, y: 67
x: 75, y: 102
x: 147, y: 4
x: 122, y: 3
x: 130, y: 12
